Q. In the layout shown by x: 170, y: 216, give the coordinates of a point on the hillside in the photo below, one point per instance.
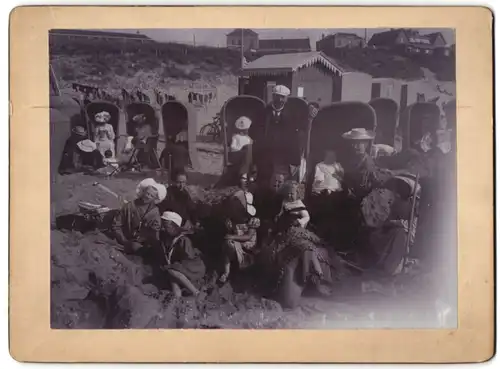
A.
x: 110, y: 65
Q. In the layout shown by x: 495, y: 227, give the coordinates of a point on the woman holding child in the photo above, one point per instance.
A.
x: 296, y: 258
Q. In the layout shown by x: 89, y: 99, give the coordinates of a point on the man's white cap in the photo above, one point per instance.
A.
x: 281, y: 90
x: 173, y: 217
x: 243, y: 123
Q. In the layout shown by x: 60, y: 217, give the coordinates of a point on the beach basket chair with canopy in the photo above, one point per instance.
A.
x: 419, y: 118
x: 95, y: 107
x: 242, y: 105
x: 135, y: 108
x: 179, y: 117
x: 327, y: 129
x: 387, y: 114
x: 143, y: 152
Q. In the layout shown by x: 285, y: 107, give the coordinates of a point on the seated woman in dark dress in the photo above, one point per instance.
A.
x: 175, y: 157
x: 137, y: 224
x: 184, y: 265
x: 80, y: 154
x: 178, y: 200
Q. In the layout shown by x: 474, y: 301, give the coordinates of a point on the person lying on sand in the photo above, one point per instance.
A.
x: 184, y: 265
x: 137, y: 224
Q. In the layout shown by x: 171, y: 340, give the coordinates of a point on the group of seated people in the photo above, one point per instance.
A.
x: 290, y: 242
x: 95, y: 152
x: 84, y: 154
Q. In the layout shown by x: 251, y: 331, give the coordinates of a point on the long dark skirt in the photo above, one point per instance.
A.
x: 384, y: 249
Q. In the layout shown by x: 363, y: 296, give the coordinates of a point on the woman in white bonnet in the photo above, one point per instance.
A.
x: 137, y: 224
x: 104, y: 133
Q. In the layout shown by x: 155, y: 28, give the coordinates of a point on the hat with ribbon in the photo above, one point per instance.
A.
x: 359, y: 134
x: 150, y: 182
x: 173, y: 217
x: 102, y: 117
x: 139, y: 118
x: 86, y: 145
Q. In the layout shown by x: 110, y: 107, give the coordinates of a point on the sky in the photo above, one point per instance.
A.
x: 217, y: 36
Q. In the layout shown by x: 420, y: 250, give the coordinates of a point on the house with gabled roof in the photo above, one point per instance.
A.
x: 339, y: 40
x: 311, y: 75
x: 242, y: 36
x: 284, y: 46
x: 408, y: 41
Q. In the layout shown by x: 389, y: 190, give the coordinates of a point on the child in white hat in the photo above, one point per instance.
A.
x: 240, y: 152
x: 184, y: 264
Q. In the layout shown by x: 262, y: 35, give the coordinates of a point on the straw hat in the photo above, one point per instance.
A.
x: 243, y: 123
x: 79, y: 131
x: 139, y: 118
x: 102, y: 117
x: 86, y: 145
x: 359, y: 134
x: 173, y: 217
x: 281, y: 90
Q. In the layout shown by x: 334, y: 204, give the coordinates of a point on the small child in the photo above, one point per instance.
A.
x: 184, y: 264
x: 241, y: 144
x: 328, y: 175
x: 104, y: 133
x: 293, y: 211
x: 109, y: 160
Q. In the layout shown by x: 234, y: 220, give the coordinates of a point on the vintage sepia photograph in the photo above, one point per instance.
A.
x: 253, y: 178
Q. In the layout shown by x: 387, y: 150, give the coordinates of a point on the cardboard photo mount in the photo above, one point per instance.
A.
x: 31, y: 338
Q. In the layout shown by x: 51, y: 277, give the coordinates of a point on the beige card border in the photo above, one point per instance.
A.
x: 31, y: 338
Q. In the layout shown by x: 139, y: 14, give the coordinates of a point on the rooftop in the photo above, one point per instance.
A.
x: 285, y: 63
x: 99, y: 33
x: 246, y: 32
x: 285, y: 43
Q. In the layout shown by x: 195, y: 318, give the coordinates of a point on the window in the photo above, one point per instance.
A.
x: 300, y: 92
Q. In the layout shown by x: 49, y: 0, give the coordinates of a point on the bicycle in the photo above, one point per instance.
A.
x: 213, y: 129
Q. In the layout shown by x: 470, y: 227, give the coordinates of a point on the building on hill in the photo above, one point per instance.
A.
x: 64, y: 35
x: 408, y: 41
x: 311, y: 75
x: 283, y: 46
x: 249, y: 38
x: 339, y: 40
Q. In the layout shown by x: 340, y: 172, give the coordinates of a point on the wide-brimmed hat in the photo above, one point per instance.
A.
x: 139, y: 118
x: 86, y: 145
x: 359, y: 134
x: 79, y: 131
x: 102, y: 117
x: 281, y: 90
x: 150, y: 182
x: 173, y: 217
x: 243, y: 123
